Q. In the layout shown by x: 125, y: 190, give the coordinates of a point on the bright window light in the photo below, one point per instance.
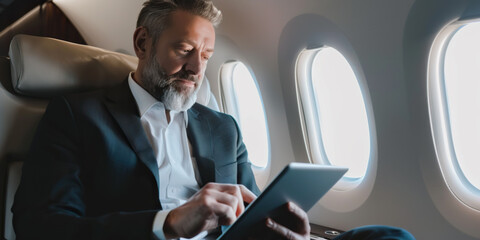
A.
x: 342, y: 113
x: 334, y: 111
x: 462, y: 91
x: 242, y: 99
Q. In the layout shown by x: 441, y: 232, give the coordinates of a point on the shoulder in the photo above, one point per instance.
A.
x: 91, y: 106
x: 206, y: 112
x: 97, y: 95
x: 94, y: 98
x: 218, y: 122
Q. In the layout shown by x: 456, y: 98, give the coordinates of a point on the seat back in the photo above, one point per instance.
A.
x: 18, y: 120
x: 40, y: 68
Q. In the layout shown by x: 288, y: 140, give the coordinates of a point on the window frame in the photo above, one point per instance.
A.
x: 452, y: 174
x: 229, y: 100
x: 309, y: 116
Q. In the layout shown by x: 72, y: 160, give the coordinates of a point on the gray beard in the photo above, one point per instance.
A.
x: 163, y: 87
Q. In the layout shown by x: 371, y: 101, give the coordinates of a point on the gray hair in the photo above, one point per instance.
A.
x: 154, y: 15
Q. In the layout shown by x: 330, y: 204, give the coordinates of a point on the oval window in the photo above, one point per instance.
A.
x: 454, y: 103
x: 334, y: 111
x: 462, y: 88
x: 241, y: 98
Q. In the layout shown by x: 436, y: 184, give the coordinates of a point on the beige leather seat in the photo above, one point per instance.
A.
x: 38, y: 69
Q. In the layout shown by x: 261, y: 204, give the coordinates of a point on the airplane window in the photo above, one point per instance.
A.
x: 335, y: 118
x: 462, y: 87
x: 241, y: 98
x: 454, y: 105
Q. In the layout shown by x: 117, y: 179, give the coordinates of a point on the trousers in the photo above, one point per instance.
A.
x: 376, y: 232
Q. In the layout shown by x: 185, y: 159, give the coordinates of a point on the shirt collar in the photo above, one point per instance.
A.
x: 145, y: 100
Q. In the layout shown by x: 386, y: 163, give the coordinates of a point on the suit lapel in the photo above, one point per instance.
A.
x: 121, y: 104
x: 200, y: 136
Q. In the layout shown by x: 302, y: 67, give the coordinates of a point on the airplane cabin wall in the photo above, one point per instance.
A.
x: 388, y: 42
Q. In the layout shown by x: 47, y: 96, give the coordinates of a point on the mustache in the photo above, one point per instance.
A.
x: 182, y: 74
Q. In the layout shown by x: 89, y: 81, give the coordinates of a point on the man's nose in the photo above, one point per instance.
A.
x: 195, y: 65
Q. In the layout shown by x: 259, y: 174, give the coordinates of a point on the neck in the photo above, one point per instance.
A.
x: 136, y: 77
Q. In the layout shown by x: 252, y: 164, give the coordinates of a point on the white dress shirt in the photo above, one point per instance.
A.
x: 170, y: 145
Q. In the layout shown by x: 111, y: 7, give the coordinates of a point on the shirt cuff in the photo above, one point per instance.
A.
x: 158, y: 222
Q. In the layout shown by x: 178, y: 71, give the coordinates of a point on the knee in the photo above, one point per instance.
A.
x: 378, y: 232
x: 392, y: 233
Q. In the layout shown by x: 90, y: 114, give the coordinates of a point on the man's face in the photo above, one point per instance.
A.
x: 175, y: 66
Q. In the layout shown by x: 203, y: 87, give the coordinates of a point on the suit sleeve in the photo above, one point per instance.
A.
x: 49, y: 203
x: 245, y: 174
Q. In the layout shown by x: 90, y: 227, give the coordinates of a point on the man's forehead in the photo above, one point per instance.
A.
x: 181, y: 19
x: 188, y: 28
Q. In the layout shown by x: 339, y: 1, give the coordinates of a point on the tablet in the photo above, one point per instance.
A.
x: 301, y: 183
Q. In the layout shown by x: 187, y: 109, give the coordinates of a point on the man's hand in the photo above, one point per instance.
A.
x: 215, y: 204
x: 298, y: 224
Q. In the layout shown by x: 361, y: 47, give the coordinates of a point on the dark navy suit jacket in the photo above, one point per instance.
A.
x: 92, y: 174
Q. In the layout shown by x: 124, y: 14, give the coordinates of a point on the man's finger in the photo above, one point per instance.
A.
x: 225, y: 198
x: 225, y: 213
x: 247, y: 195
x: 234, y: 190
x: 242, y: 193
x: 300, y: 215
x: 281, y: 230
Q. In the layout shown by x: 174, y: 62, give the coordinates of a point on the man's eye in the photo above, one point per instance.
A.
x: 185, y: 51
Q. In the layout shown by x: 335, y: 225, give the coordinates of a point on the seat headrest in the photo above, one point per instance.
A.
x: 45, y: 67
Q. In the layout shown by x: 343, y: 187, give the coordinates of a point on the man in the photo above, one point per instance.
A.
x: 141, y: 160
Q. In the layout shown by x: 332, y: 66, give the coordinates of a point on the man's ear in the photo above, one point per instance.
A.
x: 140, y: 39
